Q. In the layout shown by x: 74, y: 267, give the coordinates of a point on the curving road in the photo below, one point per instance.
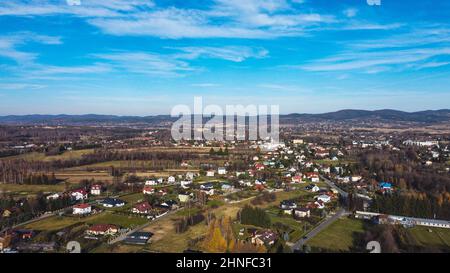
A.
x: 299, y: 244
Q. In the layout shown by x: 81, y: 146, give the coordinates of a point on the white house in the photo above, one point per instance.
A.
x: 151, y: 183
x: 185, y: 184
x: 189, y: 176
x: 79, y: 194
x: 171, y: 179
x: 356, y: 178
x: 324, y: 198
x: 302, y: 212
x: 96, y: 189
x: 53, y: 196
x: 221, y: 171
x: 82, y: 209
x: 227, y: 187
x: 315, y: 188
x: 210, y: 173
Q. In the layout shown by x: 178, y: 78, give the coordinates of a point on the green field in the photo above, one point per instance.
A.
x: 421, y: 236
x: 31, y: 189
x: 118, y: 220
x: 338, y: 237
x: 35, y: 156
x: 107, y: 217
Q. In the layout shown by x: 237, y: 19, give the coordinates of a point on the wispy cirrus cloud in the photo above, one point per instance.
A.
x: 417, y: 48
x: 219, y: 19
x: 229, y: 53
x: 9, y: 46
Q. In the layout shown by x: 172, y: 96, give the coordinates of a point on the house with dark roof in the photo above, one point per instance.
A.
x: 138, y: 238
x: 112, y: 202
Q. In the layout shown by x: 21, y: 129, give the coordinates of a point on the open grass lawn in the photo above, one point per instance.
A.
x: 177, y: 242
x: 338, y: 237
x: 333, y: 162
x: 132, y: 197
x: 118, y: 219
x: 421, y: 236
x: 55, y: 223
x: 35, y: 156
x: 117, y: 248
x: 77, y: 176
x: 106, y: 217
x: 31, y: 189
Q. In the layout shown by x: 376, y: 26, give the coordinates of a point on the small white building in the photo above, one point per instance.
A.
x: 302, y: 212
x: 210, y: 173
x: 171, y: 179
x: 185, y: 184
x: 96, y: 189
x: 221, y: 171
x: 324, y: 198
x: 151, y: 183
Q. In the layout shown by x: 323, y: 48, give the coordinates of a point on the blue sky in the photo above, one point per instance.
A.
x: 142, y: 57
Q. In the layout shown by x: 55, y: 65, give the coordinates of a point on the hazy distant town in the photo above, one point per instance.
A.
x: 129, y: 187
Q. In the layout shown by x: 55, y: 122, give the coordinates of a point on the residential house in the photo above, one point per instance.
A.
x: 222, y: 171
x: 79, y: 194
x: 171, y: 179
x: 183, y: 197
x: 138, y: 238
x: 148, y: 190
x: 259, y: 166
x: 227, y: 187
x: 112, y: 202
x: 265, y: 237
x: 314, y: 177
x: 296, y: 179
x: 324, y: 198
x: 288, y: 204
x: 185, y: 184
x: 96, y: 189
x: 142, y: 208
x: 319, y: 204
x: 53, y: 196
x: 151, y: 183
x: 385, y: 186
x: 210, y: 173
x: 102, y: 229
x: 302, y: 212
x: 170, y: 204
x: 190, y: 176
x: 82, y: 209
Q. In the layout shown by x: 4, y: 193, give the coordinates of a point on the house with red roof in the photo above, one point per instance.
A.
x: 102, y: 229
x: 148, y: 190
x: 79, y: 194
x: 142, y: 208
x: 96, y: 189
x: 82, y: 209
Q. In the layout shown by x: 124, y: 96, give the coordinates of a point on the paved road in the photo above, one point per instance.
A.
x: 299, y: 244
x: 331, y: 184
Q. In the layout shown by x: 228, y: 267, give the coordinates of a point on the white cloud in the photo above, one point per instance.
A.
x: 229, y: 53
x: 205, y: 85
x: 350, y: 12
x: 10, y: 43
x: 375, y: 62
x: 20, y: 86
x: 221, y: 19
x: 145, y: 63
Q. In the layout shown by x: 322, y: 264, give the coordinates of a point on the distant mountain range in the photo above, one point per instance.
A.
x: 429, y: 116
